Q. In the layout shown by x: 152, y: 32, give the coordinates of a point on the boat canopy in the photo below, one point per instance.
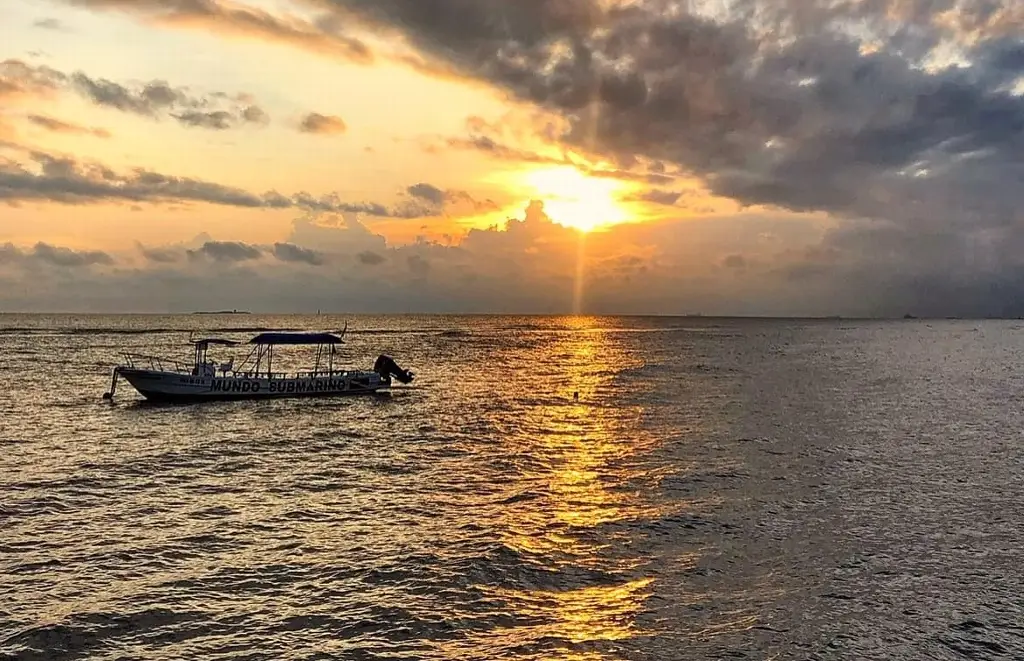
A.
x: 296, y: 338
x: 208, y: 341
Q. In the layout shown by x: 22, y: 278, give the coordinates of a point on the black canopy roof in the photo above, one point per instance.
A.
x: 296, y: 338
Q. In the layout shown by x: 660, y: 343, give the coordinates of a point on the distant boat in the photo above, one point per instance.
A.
x: 167, y: 380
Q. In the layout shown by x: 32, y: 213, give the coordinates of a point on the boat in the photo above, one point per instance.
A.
x: 167, y: 380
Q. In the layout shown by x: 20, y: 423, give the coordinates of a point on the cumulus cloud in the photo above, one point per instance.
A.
x: 226, y: 251
x: 319, y: 124
x: 56, y: 256
x: 529, y: 265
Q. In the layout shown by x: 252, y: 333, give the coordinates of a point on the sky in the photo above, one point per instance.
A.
x: 717, y: 157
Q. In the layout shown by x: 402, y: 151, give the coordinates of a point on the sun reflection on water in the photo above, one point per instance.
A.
x: 587, y: 479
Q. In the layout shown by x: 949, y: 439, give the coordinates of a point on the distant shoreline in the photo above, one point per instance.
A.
x: 222, y: 312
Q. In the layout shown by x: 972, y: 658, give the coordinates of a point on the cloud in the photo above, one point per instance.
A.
x: 162, y: 255
x: 18, y: 79
x: 427, y: 192
x: 50, y: 24
x: 237, y: 20
x: 226, y: 251
x: 371, y: 258
x: 218, y: 120
x: 255, y: 115
x: 217, y: 110
x: 42, y: 177
x: 49, y: 255
x: 858, y: 110
x: 857, y: 115
x: 790, y: 123
x: 751, y: 263
x: 147, y: 100
x: 494, y: 140
x: 289, y: 252
x: 530, y: 265
x: 656, y: 196
x: 157, y: 97
x: 322, y: 124
x: 58, y: 126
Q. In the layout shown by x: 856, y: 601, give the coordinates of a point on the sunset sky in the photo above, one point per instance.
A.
x: 763, y: 157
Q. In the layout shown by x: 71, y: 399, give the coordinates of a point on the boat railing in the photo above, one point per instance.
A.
x: 161, y: 364
x: 156, y: 363
x: 307, y: 374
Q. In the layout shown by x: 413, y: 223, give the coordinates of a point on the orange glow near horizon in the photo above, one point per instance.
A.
x: 575, y: 200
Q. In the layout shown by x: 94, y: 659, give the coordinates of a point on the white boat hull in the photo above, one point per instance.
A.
x: 174, y: 386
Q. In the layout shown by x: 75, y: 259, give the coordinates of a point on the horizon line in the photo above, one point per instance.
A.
x: 663, y: 315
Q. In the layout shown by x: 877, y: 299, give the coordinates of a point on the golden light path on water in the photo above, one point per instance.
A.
x: 581, y: 274
x: 586, y: 478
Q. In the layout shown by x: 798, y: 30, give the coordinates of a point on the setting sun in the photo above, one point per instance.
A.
x: 575, y: 200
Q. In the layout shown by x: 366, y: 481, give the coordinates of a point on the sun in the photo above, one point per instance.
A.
x: 573, y: 199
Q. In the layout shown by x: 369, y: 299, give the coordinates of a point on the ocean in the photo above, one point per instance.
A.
x: 716, y: 489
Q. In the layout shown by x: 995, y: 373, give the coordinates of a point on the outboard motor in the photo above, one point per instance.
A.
x: 387, y: 367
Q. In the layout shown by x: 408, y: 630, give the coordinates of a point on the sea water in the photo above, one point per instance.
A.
x: 716, y: 488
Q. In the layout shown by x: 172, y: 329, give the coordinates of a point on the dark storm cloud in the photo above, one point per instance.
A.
x: 796, y: 125
x: 67, y: 181
x: 289, y: 252
x: 233, y: 19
